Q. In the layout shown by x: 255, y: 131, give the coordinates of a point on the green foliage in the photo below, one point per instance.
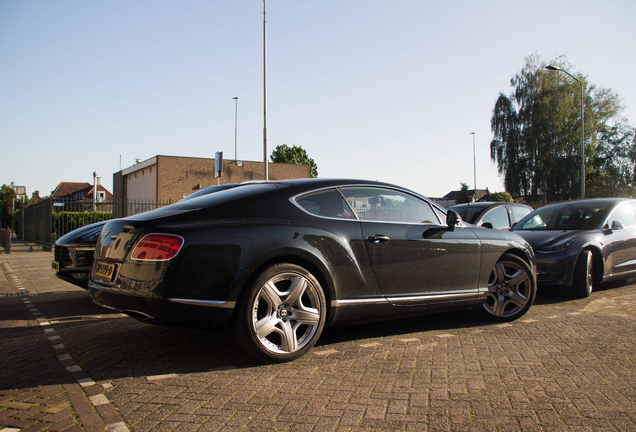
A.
x: 7, y: 194
x: 501, y: 197
x: 65, y: 222
x: 537, y: 136
x: 463, y: 196
x: 294, y: 155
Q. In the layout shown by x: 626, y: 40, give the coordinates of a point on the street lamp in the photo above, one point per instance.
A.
x: 235, y: 128
x: 265, y: 168
x: 474, y: 168
x: 560, y: 69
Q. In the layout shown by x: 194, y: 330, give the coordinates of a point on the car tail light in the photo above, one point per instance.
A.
x: 157, y: 247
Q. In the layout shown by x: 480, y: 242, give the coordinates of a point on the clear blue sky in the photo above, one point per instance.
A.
x: 371, y: 89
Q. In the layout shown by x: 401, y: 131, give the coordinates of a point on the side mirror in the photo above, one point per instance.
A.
x: 374, y: 200
x: 452, y: 218
x: 617, y: 225
x: 487, y: 225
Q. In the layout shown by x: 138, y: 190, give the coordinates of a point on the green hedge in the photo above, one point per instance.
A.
x: 65, y: 222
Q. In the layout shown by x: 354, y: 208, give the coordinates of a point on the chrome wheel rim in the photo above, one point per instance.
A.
x: 286, y: 313
x: 509, y: 289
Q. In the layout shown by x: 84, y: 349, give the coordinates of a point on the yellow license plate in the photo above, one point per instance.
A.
x: 104, y: 270
x: 55, y: 265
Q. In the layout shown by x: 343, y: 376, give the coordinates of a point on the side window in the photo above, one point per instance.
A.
x: 624, y: 213
x: 327, y: 203
x: 387, y: 205
x: 498, y: 217
x: 519, y: 212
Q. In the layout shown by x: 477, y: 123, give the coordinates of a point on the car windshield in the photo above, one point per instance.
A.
x: 470, y: 214
x: 565, y: 217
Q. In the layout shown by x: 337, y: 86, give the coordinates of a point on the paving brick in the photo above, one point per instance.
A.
x: 568, y: 364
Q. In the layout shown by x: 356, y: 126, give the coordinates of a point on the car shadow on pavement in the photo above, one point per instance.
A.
x: 547, y: 295
x: 406, y: 326
x: 109, y: 345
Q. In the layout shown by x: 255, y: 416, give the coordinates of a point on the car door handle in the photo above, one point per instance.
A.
x: 376, y: 239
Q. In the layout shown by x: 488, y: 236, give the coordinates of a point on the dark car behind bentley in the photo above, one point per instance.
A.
x: 497, y: 215
x: 579, y: 244
x: 73, y: 254
x: 277, y: 261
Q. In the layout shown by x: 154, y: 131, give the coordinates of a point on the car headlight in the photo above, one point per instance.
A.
x: 556, y: 247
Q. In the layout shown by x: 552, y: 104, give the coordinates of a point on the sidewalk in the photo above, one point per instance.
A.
x: 41, y: 387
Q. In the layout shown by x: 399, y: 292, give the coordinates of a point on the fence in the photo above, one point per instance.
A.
x: 51, y: 218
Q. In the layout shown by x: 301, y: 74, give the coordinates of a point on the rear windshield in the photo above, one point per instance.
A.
x: 469, y: 214
x: 219, y: 197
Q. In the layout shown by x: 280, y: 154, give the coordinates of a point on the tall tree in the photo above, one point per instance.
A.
x: 537, y: 136
x: 462, y: 196
x: 7, y: 195
x: 294, y: 155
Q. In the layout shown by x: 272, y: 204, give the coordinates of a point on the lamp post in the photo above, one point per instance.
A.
x: 266, y: 172
x: 235, y: 128
x: 560, y: 69
x: 474, y: 168
x: 12, y: 185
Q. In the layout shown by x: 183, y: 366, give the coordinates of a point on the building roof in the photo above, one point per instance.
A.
x: 68, y: 189
x: 482, y: 195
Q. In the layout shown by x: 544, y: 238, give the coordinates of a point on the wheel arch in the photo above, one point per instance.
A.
x: 520, y: 254
x: 319, y: 271
x: 598, y: 264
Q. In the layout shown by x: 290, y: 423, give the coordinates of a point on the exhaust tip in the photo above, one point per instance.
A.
x: 138, y: 315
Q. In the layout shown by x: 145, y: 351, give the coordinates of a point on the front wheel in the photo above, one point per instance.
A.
x: 583, y: 275
x: 281, y: 315
x: 512, y: 287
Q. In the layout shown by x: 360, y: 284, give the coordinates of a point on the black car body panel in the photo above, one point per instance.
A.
x: 73, y: 254
x: 609, y: 233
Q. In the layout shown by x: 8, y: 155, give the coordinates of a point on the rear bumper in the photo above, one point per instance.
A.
x: 163, y: 310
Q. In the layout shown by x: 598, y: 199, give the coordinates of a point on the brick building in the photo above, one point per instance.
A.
x: 167, y: 179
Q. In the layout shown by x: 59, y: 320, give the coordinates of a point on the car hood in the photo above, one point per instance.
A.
x: 538, y: 238
x: 85, y: 234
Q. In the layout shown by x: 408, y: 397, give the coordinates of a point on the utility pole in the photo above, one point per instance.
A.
x: 266, y: 171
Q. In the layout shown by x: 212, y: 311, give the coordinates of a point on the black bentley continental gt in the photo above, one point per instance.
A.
x: 277, y: 261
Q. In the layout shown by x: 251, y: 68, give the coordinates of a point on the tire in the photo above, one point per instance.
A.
x: 281, y: 315
x: 512, y: 287
x: 583, y: 283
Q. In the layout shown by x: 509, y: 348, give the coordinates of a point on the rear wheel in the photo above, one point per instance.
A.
x: 281, y: 315
x: 512, y: 287
x: 583, y: 283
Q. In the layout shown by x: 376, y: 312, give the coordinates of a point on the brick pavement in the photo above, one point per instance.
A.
x: 41, y: 386
x: 566, y: 365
